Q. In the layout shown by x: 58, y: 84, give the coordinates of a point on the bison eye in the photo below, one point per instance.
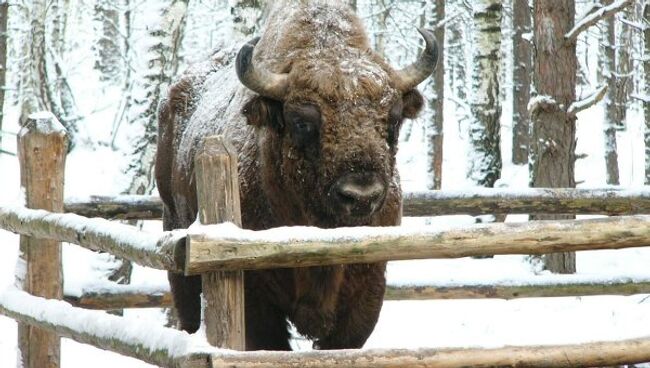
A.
x: 304, y: 133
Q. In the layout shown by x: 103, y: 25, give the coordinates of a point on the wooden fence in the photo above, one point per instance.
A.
x: 219, y: 253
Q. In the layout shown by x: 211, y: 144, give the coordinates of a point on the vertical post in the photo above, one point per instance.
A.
x: 42, y: 146
x: 217, y: 186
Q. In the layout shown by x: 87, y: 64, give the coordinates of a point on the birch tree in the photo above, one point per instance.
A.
x: 434, y: 13
x: 521, y: 24
x: 4, y: 16
x: 608, y: 72
x: 646, y: 95
x: 108, y: 53
x: 247, y: 16
x: 485, y: 136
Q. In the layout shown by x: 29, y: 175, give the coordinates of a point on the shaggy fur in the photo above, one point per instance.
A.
x: 341, y: 116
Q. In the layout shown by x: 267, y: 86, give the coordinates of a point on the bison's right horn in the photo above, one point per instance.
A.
x: 414, y: 74
x: 265, y: 83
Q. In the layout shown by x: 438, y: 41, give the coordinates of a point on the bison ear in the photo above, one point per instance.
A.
x: 261, y: 111
x: 412, y: 102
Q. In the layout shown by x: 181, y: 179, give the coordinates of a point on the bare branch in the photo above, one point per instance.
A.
x: 593, y: 16
x: 587, y: 102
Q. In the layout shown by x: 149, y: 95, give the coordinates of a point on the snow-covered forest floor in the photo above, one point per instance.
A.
x: 96, y: 167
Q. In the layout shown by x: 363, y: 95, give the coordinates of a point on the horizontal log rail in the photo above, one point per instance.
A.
x: 144, y: 296
x: 162, y: 250
x: 176, y: 349
x: 148, y: 342
x: 226, y: 247
x: 477, y: 201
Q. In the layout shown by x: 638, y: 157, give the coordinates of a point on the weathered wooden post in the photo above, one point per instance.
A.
x: 217, y: 186
x: 42, y: 146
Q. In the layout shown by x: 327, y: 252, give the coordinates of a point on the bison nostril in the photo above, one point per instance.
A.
x: 359, y: 194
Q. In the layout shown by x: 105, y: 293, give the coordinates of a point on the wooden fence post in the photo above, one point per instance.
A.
x: 42, y: 146
x: 217, y: 186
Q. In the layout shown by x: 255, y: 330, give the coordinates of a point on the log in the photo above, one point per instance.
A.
x: 176, y: 349
x: 428, y: 292
x: 145, y: 341
x: 120, y: 296
x: 217, y: 188
x: 127, y: 296
x: 42, y: 147
x: 121, y: 207
x: 226, y: 247
x: 596, y: 354
x: 476, y: 201
x: 609, y: 201
x: 164, y: 250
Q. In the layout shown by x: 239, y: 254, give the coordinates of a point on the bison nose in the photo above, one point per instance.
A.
x: 359, y: 194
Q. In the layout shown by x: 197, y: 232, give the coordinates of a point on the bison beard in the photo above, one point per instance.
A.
x: 315, y: 119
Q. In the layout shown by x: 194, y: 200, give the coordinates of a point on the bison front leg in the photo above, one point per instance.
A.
x: 186, y: 294
x: 360, y: 301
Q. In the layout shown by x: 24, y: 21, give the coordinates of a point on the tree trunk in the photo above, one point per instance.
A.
x: 624, y: 80
x: 246, y: 16
x: 485, y: 161
x: 4, y: 15
x: 108, y: 53
x: 607, y: 71
x: 552, y: 148
x: 434, y: 14
x: 457, y: 59
x: 646, y: 95
x: 521, y: 24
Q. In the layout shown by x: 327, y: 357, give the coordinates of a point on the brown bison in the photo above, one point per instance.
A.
x: 315, y: 116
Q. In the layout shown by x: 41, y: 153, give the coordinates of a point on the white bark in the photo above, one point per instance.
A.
x: 485, y: 160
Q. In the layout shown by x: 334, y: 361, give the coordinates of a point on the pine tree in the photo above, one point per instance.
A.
x: 485, y: 135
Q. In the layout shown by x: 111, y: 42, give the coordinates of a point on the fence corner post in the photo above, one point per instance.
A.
x: 42, y: 147
x: 217, y: 186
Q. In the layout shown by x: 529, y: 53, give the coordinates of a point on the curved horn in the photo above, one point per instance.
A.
x: 265, y: 83
x: 417, y: 72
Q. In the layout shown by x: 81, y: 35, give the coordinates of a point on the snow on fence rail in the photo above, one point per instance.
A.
x: 227, y: 247
x: 475, y: 201
x: 207, y: 249
x: 170, y: 348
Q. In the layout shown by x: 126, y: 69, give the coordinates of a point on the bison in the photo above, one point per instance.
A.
x: 314, y: 114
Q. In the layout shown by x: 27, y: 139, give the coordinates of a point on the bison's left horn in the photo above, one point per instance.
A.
x: 417, y: 72
x: 265, y: 83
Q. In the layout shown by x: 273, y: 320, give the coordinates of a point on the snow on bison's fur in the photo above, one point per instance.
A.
x: 314, y: 114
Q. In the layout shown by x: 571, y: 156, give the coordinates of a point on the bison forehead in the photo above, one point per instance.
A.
x: 348, y: 80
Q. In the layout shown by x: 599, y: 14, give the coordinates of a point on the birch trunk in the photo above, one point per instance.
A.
x: 246, y: 17
x: 434, y: 14
x: 485, y: 161
x: 4, y: 16
x: 553, y: 141
x: 521, y: 24
x: 608, y: 67
x: 107, y: 45
x: 646, y: 101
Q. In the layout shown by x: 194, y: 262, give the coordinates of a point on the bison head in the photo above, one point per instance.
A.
x: 329, y: 125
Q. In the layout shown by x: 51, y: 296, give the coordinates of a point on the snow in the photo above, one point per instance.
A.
x: 149, y: 336
x: 95, y: 168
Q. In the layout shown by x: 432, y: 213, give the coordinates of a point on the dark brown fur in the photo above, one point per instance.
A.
x: 285, y: 181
